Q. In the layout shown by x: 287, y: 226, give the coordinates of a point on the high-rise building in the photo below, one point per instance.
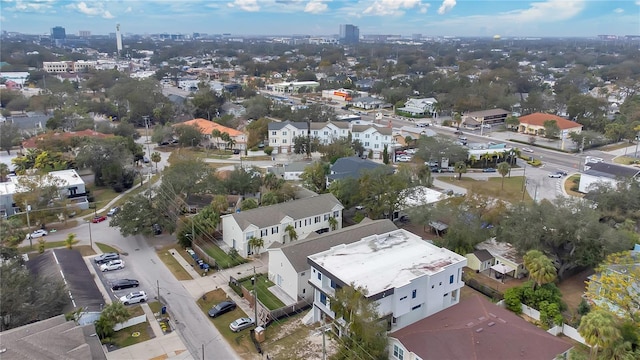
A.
x: 349, y: 34
x: 118, y: 39
x: 58, y: 34
x: 84, y: 33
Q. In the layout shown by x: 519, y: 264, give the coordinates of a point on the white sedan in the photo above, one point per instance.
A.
x: 403, y: 158
x: 526, y: 149
x: 112, y: 265
x: 37, y: 234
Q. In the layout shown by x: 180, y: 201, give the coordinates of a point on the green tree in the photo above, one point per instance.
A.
x: 512, y: 122
x: 269, y: 198
x: 243, y: 181
x: 12, y: 232
x: 40, y: 192
x: 162, y: 133
x: 256, y: 243
x: 365, y: 333
x: 156, y: 158
x: 383, y: 193
x: 551, y: 129
x: 137, y: 216
x: 385, y: 155
x: 598, y: 328
x: 248, y: 204
x: 4, y: 172
x: 206, y: 102
x: 68, y: 242
x: 220, y: 204
x: 188, y: 135
x: 111, y: 315
x: 9, y: 136
x: 291, y: 231
x: 461, y: 168
x: 314, y: 177
x: 503, y: 169
x: 333, y: 223
x: 540, y: 268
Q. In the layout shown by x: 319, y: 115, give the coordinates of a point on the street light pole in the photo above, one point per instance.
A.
x: 90, y: 237
x: 28, y: 208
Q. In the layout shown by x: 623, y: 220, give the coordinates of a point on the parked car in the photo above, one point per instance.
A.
x: 489, y: 170
x: 563, y: 173
x: 38, y: 233
x: 359, y: 207
x: 236, y: 151
x: 463, y: 139
x: 124, y: 284
x: 458, y: 132
x: 423, y: 124
x: 222, y: 308
x: 112, y: 265
x: 555, y: 176
x: 526, y: 149
x: 486, y: 126
x: 97, y: 219
x: 241, y: 324
x: 403, y: 158
x: 134, y: 298
x: 157, y: 229
x: 113, y: 211
x: 106, y: 257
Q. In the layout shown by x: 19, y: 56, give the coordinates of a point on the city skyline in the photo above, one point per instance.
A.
x: 544, y: 18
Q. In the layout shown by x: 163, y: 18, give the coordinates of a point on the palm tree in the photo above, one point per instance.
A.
x: 269, y: 198
x: 256, y: 243
x: 226, y: 138
x: 515, y: 154
x: 270, y: 181
x: 215, y: 134
x: 503, y: 169
x: 461, y: 168
x: 540, y: 268
x: 4, y: 172
x: 486, y: 158
x: 598, y: 328
x: 231, y: 143
x: 473, y: 159
x: 291, y: 231
x: 71, y: 238
x: 333, y: 223
x: 156, y: 157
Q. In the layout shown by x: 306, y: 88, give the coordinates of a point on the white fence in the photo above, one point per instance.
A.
x: 88, y: 317
x: 133, y: 321
x: 531, y: 312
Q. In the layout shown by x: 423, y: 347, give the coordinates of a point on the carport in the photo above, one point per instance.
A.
x: 80, y: 282
x: 503, y: 270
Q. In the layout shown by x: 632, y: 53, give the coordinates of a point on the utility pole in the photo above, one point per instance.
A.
x: 28, y: 207
x: 90, y: 238
x: 255, y: 293
x: 146, y: 124
x: 202, y: 351
x: 158, y: 287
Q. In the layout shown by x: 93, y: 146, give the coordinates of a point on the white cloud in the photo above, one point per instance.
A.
x: 316, y: 7
x: 447, y: 5
x: 37, y: 6
x: 551, y: 10
x: 107, y: 15
x: 246, y: 5
x: 395, y: 7
x: 618, y: 11
x: 97, y: 10
x: 128, y: 10
x: 638, y: 2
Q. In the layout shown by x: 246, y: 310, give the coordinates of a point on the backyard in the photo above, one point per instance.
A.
x: 264, y: 295
x: 492, y: 187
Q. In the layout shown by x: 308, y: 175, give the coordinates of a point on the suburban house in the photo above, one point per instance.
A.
x: 290, y: 171
x: 408, y: 277
x: 480, y: 260
x: 373, y: 138
x: 604, y: 173
x: 270, y: 222
x: 281, y: 135
x: 327, y: 132
x: 288, y: 267
x: 475, y: 329
x: 292, y: 87
x: 207, y: 127
x: 368, y: 103
x: 507, y: 261
x: 34, y: 141
x: 70, y: 185
x: 476, y: 119
x: 414, y: 133
x: 534, y: 124
x: 351, y: 167
x: 419, y: 107
x: 415, y: 197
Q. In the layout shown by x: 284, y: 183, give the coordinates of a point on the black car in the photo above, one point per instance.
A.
x: 106, y: 257
x: 157, y: 229
x: 223, y: 307
x: 124, y: 284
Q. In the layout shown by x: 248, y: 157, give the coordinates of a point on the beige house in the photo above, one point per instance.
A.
x: 507, y: 261
x: 480, y: 260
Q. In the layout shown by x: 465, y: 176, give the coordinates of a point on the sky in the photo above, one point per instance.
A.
x: 541, y: 18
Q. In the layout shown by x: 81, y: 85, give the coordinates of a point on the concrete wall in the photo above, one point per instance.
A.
x: 133, y: 321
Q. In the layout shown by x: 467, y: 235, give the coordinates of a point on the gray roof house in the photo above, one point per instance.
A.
x: 351, y: 167
x: 308, y: 215
x: 604, y: 173
x: 288, y: 267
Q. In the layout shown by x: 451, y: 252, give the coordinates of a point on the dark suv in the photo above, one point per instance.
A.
x: 106, y: 257
x: 124, y: 284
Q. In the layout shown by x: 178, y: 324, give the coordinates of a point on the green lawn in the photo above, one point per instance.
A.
x: 125, y: 337
x: 492, y: 187
x: 223, y: 259
x: 47, y: 245
x: 264, y: 295
x: 106, y: 248
x: 626, y: 160
x: 572, y: 181
x: 101, y: 195
x: 172, y: 264
x: 241, y: 341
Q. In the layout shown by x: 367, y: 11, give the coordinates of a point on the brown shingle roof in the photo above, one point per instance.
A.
x: 381, y: 130
x: 538, y: 119
x: 32, y: 142
x: 477, y: 329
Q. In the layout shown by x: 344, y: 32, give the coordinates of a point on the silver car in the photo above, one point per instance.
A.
x: 241, y: 324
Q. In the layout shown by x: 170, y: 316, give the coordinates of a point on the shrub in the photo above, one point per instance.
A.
x: 583, y: 307
x: 268, y: 150
x: 446, y: 123
x: 41, y: 245
x: 358, y: 217
x: 513, y: 299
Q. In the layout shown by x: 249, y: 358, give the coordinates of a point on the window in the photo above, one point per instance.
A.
x: 319, y: 275
x: 366, y: 136
x: 323, y: 298
x: 249, y: 235
x: 316, y: 219
x: 336, y: 214
x: 416, y: 307
x: 377, y: 137
x: 366, y: 144
x: 376, y: 146
x: 284, y: 141
x: 326, y: 133
x: 414, y: 293
x: 451, y: 279
x: 333, y: 284
x: 274, y: 133
x: 398, y: 353
x: 402, y: 298
x: 274, y: 230
x: 264, y: 232
x: 284, y: 133
x: 326, y: 217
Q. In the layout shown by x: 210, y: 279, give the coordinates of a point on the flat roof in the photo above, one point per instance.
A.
x: 386, y: 261
x: 502, y: 249
x: 67, y: 178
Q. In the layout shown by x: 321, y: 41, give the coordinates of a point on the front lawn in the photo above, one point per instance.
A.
x: 132, y: 335
x: 241, y: 341
x: 172, y: 264
x: 106, y: 248
x: 47, y: 245
x: 264, y: 295
x: 571, y: 185
x: 223, y: 259
x: 492, y: 187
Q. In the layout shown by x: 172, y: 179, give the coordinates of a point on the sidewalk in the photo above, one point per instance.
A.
x: 168, y: 346
x: 151, y: 318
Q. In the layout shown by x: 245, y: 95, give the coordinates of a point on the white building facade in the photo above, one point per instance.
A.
x: 407, y: 277
x: 374, y: 138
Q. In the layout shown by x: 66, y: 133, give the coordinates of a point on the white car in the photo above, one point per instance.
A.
x: 403, y: 158
x: 112, y: 265
x: 526, y: 149
x: 37, y: 234
x: 134, y: 298
x: 241, y: 324
x: 555, y: 176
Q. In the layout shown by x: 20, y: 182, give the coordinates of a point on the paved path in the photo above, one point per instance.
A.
x: 151, y: 318
x: 161, y: 347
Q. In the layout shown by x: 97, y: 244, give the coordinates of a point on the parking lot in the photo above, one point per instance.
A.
x: 109, y: 277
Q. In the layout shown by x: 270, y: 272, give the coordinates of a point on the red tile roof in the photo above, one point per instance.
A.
x: 477, y: 329
x: 207, y: 127
x: 538, y: 119
x: 31, y: 143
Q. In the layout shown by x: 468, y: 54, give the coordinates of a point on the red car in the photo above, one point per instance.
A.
x: 97, y: 219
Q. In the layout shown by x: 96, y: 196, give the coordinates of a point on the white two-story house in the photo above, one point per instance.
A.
x: 281, y: 135
x: 408, y: 277
x: 306, y: 215
x: 327, y: 132
x: 288, y: 267
x: 374, y: 138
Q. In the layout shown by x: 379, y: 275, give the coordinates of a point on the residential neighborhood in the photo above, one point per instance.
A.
x: 171, y: 194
